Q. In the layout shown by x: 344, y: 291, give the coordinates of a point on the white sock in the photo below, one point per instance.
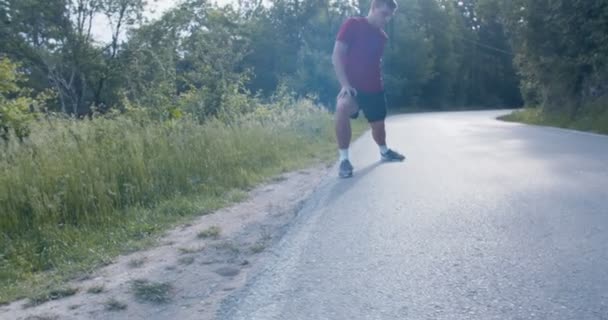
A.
x: 343, y: 154
x: 383, y: 149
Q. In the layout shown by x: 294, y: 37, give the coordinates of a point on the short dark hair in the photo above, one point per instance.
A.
x: 392, y: 4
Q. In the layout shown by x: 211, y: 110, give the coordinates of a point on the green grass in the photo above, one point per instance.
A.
x: 228, y: 246
x: 212, y: 232
x: 191, y: 250
x: 136, y: 263
x: 258, y: 247
x: 96, y: 289
x: 151, y: 292
x: 50, y: 295
x: 79, y: 193
x: 595, y: 119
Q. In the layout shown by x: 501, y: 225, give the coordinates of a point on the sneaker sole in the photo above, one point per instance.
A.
x: 344, y: 176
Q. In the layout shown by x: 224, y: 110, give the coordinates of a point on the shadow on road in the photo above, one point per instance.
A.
x: 343, y: 185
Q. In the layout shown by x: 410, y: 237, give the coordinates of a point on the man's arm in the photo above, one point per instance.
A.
x: 340, y: 50
x: 338, y: 57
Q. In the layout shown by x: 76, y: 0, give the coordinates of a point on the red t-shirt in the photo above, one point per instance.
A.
x: 364, y: 57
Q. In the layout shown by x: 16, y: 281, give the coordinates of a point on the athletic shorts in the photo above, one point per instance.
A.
x: 373, y: 106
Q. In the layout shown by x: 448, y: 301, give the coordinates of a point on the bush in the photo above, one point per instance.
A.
x: 14, y: 108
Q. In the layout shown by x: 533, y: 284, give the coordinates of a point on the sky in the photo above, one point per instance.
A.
x: 102, y: 31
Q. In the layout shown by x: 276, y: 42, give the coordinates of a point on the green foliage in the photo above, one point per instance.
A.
x: 53, y: 40
x: 211, y: 232
x: 562, y: 53
x: 151, y: 292
x: 594, y: 118
x: 54, y: 294
x: 16, y: 105
x: 186, y: 62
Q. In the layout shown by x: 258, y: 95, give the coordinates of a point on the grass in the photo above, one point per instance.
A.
x: 595, y: 119
x: 151, y: 292
x: 191, y: 250
x: 228, y: 246
x: 96, y: 289
x: 50, y: 296
x: 262, y: 243
x: 535, y: 116
x: 79, y: 193
x: 114, y: 305
x: 136, y: 263
x: 212, y: 232
x: 258, y: 247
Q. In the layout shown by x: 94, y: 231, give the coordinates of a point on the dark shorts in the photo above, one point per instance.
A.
x: 373, y: 106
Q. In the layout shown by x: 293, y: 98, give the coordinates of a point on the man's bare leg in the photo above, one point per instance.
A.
x: 345, y: 107
x: 379, y: 132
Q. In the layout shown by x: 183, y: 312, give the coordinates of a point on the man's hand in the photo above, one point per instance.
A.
x: 347, y: 91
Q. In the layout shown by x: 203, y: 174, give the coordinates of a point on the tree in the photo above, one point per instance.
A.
x: 53, y: 39
x: 562, y: 51
x: 194, y: 54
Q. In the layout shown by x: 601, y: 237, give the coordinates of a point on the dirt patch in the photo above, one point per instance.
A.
x: 193, y: 269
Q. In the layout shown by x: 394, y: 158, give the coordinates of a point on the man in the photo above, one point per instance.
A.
x: 357, y: 60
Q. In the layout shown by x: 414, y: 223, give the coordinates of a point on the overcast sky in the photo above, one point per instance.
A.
x: 155, y: 8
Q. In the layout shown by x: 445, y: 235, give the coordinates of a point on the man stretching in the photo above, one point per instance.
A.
x: 357, y: 60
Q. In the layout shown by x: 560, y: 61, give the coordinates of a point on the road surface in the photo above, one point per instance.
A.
x: 485, y: 220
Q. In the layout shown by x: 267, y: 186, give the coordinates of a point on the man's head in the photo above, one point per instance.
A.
x: 383, y: 10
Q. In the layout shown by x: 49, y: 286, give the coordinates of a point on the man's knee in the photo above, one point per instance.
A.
x: 377, y: 126
x: 346, y: 106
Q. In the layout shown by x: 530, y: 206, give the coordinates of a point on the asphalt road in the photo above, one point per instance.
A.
x: 485, y: 220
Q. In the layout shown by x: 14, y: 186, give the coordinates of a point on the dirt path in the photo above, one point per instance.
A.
x: 189, y: 274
